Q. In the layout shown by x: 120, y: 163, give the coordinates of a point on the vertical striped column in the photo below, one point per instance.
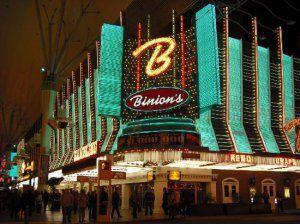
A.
x: 288, y: 97
x: 264, y: 101
x: 208, y: 73
x: 235, y: 104
x: 80, y: 117
x: 88, y: 110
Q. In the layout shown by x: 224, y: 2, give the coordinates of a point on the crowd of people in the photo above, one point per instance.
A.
x: 71, y: 202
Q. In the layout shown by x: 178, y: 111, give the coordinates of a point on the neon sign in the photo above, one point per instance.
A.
x: 86, y: 151
x: 295, y: 123
x: 160, y: 60
x: 157, y: 99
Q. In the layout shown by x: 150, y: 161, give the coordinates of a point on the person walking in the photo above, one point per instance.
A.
x: 176, y: 201
x: 67, y: 201
x: 38, y: 202
x: 149, y: 201
x: 165, y: 201
x: 171, y: 204
x: 75, y: 203
x: 92, y: 205
x: 116, y: 203
x: 82, y: 204
x: 103, y: 200
x: 134, y: 203
x: 46, y: 198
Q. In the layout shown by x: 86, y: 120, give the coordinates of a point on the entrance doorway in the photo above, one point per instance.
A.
x: 269, y: 187
x: 297, y: 193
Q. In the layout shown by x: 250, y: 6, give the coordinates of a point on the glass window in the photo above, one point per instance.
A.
x: 298, y: 190
x: 233, y: 189
x: 226, y: 190
x: 271, y: 191
x: 287, y: 192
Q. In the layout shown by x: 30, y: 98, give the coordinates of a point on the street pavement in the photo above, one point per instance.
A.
x: 292, y: 217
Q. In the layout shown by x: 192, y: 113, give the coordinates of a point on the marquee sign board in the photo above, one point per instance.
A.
x: 86, y: 151
x: 157, y: 99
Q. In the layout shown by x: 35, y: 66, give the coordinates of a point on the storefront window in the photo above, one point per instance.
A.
x: 230, y: 190
x: 271, y: 191
x: 287, y: 192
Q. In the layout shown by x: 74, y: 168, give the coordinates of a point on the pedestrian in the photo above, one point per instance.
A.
x: 14, y: 203
x: 134, y: 203
x: 67, y: 202
x: 92, y: 205
x: 185, y: 202
x: 176, y: 201
x: 103, y: 201
x: 82, y: 204
x: 165, y: 201
x: 46, y: 198
x: 171, y: 204
x: 75, y: 205
x: 149, y: 201
x: 266, y: 197
x: 38, y: 202
x: 116, y: 203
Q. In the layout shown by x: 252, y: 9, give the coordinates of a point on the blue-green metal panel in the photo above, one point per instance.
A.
x: 73, y: 120
x: 80, y: 122
x: 264, y: 101
x: 68, y: 128
x: 96, y: 95
x: 109, y: 133
x: 88, y: 111
x: 204, y: 125
x: 207, y: 57
x: 239, y: 136
x: 289, y: 98
x: 110, y: 70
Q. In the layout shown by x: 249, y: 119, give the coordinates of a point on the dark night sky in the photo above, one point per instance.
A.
x: 21, y: 55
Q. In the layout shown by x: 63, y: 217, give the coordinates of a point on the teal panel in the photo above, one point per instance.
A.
x: 80, y: 122
x: 88, y: 111
x: 110, y: 128
x: 207, y: 57
x: 264, y: 101
x: 68, y: 128
x: 115, y: 145
x: 239, y: 136
x: 73, y: 120
x: 204, y: 125
x: 289, y: 98
x: 110, y: 70
x: 96, y: 95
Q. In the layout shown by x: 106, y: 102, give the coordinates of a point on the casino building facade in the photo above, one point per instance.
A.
x: 195, y: 109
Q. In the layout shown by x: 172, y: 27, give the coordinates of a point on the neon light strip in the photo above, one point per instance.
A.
x: 289, y: 98
x: 88, y: 110
x: 98, y: 120
x: 73, y: 121
x: 182, y: 43
x: 235, y: 79
x: 80, y: 123
x: 264, y: 101
x: 109, y: 132
x: 173, y: 35
x: 138, y: 65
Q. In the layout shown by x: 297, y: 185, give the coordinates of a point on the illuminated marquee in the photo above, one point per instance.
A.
x: 160, y: 60
x: 86, y: 151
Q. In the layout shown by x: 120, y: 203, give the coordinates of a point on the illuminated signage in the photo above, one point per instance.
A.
x: 157, y: 99
x: 160, y: 60
x: 150, y: 176
x: 241, y: 158
x: 86, y: 151
x: 295, y: 123
x: 87, y: 179
x: 174, y: 175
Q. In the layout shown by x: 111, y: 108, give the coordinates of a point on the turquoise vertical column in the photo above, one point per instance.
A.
x: 235, y: 79
x: 88, y: 111
x: 96, y: 95
x: 289, y: 98
x: 264, y: 101
x: 80, y: 123
x: 67, y: 129
x: 109, y: 133
x: 73, y: 120
x: 208, y: 73
x: 110, y: 70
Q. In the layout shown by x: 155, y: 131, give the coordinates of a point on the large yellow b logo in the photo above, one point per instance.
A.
x: 157, y: 56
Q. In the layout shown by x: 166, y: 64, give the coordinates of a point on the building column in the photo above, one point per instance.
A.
x: 159, y: 185
x: 126, y: 193
x: 211, y: 187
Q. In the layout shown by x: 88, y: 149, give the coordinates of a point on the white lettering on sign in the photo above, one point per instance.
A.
x: 139, y: 100
x: 86, y: 151
x: 238, y: 158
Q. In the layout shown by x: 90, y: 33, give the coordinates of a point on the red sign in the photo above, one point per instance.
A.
x: 88, y: 179
x: 157, y: 99
x: 118, y: 175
